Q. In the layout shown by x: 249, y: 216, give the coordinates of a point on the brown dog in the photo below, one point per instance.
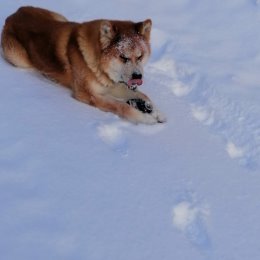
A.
x: 101, y: 61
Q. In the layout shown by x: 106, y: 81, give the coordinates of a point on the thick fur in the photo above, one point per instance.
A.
x: 95, y: 59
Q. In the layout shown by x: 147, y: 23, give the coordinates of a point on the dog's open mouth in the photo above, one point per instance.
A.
x: 133, y: 83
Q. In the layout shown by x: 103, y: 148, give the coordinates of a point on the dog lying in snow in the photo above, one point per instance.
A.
x: 101, y: 61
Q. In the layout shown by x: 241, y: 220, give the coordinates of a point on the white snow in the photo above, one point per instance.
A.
x: 191, y: 220
x: 234, y: 151
x: 184, y: 215
x: 109, y: 133
x: 202, y: 115
x: 78, y: 183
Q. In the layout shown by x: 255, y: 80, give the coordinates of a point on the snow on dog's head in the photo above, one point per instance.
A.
x: 125, y: 50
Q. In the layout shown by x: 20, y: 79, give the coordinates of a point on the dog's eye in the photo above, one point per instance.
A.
x: 140, y: 58
x: 124, y: 59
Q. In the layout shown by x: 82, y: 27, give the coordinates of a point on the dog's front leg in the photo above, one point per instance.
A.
x: 122, y: 92
x: 126, y: 111
x: 122, y: 109
x: 137, y: 99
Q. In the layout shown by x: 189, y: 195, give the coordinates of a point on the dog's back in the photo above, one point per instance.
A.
x: 29, y: 38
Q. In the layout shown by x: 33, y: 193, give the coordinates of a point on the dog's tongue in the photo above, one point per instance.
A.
x: 132, y: 82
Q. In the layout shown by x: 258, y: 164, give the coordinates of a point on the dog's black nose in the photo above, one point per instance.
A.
x: 137, y: 75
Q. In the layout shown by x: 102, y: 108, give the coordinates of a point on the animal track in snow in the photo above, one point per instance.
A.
x: 116, y: 135
x: 113, y: 136
x: 201, y: 114
x: 234, y: 151
x: 191, y: 220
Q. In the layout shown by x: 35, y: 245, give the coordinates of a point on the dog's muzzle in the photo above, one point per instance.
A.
x: 135, y: 81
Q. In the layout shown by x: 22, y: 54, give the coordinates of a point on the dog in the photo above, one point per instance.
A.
x: 101, y: 61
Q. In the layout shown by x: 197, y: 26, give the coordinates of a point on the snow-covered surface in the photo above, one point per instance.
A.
x: 77, y: 183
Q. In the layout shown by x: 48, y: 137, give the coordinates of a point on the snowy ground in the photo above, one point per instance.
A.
x: 77, y: 183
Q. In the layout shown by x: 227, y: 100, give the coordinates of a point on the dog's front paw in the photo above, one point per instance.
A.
x: 153, y: 118
x: 147, y: 112
x: 158, y: 116
x: 140, y: 104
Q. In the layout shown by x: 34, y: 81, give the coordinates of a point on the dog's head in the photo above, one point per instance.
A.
x: 125, y: 49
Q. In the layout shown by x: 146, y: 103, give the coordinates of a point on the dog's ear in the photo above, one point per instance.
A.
x: 144, y: 28
x: 107, y: 33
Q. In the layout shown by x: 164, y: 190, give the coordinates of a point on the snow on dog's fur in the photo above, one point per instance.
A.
x: 101, y: 61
